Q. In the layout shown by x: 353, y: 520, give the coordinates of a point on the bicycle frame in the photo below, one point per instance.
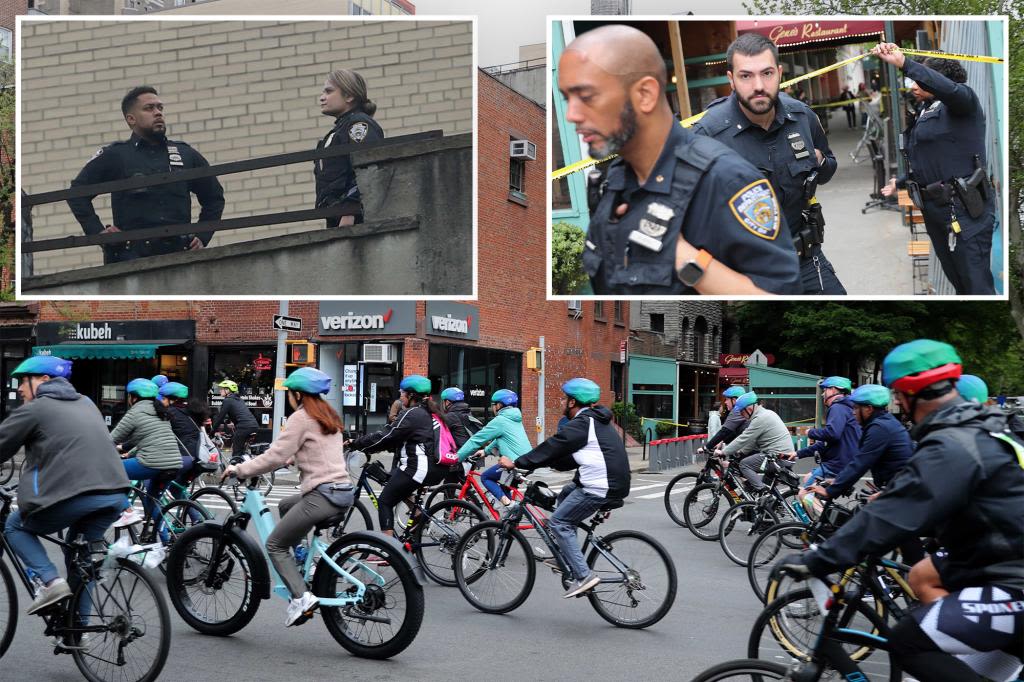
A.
x: 473, y: 480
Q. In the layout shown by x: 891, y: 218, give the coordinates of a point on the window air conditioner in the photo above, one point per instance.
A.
x: 379, y: 352
x: 522, y: 149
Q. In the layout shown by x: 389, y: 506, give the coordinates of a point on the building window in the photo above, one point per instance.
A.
x: 619, y: 312
x: 700, y: 339
x: 658, y: 322
x: 517, y: 178
x: 479, y: 372
x: 599, y: 311
x: 575, y: 307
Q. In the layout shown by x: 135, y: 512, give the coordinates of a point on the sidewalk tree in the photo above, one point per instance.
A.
x: 567, y: 275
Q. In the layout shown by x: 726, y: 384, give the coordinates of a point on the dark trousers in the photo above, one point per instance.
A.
x: 968, y: 266
x: 851, y: 117
x: 818, y: 277
x: 241, y: 435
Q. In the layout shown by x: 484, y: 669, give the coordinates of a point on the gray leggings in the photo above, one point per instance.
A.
x: 299, y: 513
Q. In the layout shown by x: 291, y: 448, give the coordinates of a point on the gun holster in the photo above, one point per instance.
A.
x: 812, y: 233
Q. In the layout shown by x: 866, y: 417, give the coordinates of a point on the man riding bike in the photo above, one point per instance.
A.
x: 72, y: 476
x: 734, y: 422
x: 965, y: 486
x: 238, y: 413
x: 504, y: 435
x: 837, y: 441
x: 590, y: 444
x: 765, y: 434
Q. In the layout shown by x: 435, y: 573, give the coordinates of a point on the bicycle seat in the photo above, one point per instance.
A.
x: 612, y: 504
x: 332, y: 521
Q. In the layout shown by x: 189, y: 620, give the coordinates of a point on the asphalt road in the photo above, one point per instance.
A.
x: 547, y: 638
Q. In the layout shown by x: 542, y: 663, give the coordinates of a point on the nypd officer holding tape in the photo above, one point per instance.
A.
x: 784, y: 139
x: 678, y: 213
x: 146, y: 152
x: 948, y: 182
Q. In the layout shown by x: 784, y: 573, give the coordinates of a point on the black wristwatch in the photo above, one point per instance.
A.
x: 693, y: 270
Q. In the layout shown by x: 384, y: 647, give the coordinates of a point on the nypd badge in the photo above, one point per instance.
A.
x: 651, y: 228
x: 357, y: 133
x: 660, y: 211
x: 757, y: 209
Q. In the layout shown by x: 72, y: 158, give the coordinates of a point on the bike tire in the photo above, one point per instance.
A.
x: 740, y: 527
x: 679, y: 486
x: 191, y: 560
x: 8, y: 604
x: 445, y: 491
x: 702, y: 507
x: 211, y: 504
x: 360, y: 551
x: 92, y: 593
x: 477, y: 548
x: 445, y: 523
x: 743, y: 670
x: 7, y: 471
x: 356, y: 518
x: 775, y: 543
x: 603, y: 599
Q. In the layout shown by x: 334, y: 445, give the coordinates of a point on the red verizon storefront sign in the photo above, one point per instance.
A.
x: 739, y: 359
x: 806, y: 31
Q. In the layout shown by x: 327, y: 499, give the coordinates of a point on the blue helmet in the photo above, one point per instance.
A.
x: 453, y: 393
x: 308, y: 380
x: 159, y: 380
x: 745, y: 401
x: 143, y: 388
x: 972, y: 388
x: 415, y: 383
x: 172, y: 389
x: 49, y: 365
x: 505, y: 397
x: 871, y: 394
x: 733, y: 392
x: 842, y: 383
x: 583, y: 391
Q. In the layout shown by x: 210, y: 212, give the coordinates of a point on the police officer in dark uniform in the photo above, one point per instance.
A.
x: 344, y: 96
x: 146, y: 152
x: 945, y: 147
x: 783, y: 137
x: 677, y: 214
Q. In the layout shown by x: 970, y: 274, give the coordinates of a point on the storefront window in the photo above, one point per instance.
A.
x: 253, y: 370
x: 174, y: 367
x: 479, y: 372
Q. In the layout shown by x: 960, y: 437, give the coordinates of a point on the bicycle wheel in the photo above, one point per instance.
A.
x: 436, y: 536
x: 445, y: 491
x: 388, y: 617
x: 494, y: 567
x: 740, y: 528
x: 357, y: 518
x: 790, y: 626
x: 6, y: 471
x: 229, y: 603
x: 638, y: 581
x: 216, y: 501
x: 176, y: 518
x: 775, y: 543
x: 743, y: 670
x: 119, y: 626
x: 8, y: 607
x: 675, y: 494
x: 703, y: 509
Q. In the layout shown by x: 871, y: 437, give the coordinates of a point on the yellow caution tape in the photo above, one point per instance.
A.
x: 687, y: 122
x: 662, y: 421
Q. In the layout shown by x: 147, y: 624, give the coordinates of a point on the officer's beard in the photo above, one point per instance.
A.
x: 759, y: 109
x: 614, y: 143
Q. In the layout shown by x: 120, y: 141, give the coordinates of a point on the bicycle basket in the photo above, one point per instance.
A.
x: 355, y: 460
x: 540, y: 495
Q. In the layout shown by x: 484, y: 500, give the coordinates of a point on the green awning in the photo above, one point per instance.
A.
x: 100, y: 351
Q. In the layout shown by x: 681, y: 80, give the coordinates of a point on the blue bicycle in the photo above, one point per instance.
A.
x: 371, y: 597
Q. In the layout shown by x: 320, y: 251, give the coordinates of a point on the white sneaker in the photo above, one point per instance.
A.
x: 128, y: 517
x: 50, y: 595
x: 300, y: 610
x: 580, y: 587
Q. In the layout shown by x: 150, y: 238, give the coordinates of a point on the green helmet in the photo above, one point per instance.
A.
x: 973, y: 388
x: 143, y: 388
x: 228, y: 384
x: 583, y: 391
x: 913, y: 366
x: 416, y: 384
x: 734, y: 392
x: 842, y: 383
x: 871, y: 394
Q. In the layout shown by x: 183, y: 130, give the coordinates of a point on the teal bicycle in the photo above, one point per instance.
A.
x: 371, y: 596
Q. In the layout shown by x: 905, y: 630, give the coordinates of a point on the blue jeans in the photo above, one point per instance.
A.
x: 574, y: 506
x: 158, y: 479
x: 89, y: 514
x: 489, y: 477
x: 818, y: 472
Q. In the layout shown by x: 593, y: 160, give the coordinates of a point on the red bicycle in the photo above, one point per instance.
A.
x: 472, y: 490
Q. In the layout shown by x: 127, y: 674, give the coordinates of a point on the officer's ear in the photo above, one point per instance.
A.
x: 646, y: 94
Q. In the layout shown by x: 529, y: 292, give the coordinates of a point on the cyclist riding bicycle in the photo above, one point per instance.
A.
x: 72, y: 477
x: 413, y: 434
x: 837, y: 441
x: 765, y: 434
x: 461, y: 423
x: 185, y: 419
x: 503, y: 435
x: 145, y: 430
x: 590, y: 444
x: 238, y: 413
x: 313, y: 436
x: 734, y: 422
x: 965, y: 485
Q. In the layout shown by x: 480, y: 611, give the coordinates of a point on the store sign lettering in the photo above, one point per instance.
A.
x: 809, y: 31
x: 352, y: 321
x: 91, y: 332
x: 450, y: 324
x: 477, y: 392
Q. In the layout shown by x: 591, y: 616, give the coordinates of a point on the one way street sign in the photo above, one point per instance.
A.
x: 287, y: 324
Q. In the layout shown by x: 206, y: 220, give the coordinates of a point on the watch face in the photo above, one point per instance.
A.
x: 690, y: 273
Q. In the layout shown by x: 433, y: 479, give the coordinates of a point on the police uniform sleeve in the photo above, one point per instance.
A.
x: 829, y: 164
x: 210, y: 194
x: 102, y: 167
x: 957, y: 96
x: 357, y: 133
x: 746, y: 229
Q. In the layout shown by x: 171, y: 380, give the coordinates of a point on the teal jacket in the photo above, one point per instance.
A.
x: 504, y: 433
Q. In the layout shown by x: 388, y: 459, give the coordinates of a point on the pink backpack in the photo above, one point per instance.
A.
x: 444, y: 444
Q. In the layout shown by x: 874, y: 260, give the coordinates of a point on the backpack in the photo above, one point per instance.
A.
x: 444, y: 444
x: 207, y: 454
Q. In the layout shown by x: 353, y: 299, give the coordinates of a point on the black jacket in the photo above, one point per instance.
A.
x: 413, y: 433
x: 963, y: 486
x: 885, y: 448
x: 591, y: 441
x: 236, y: 412
x: 335, y: 177
x: 185, y: 430
x: 461, y: 423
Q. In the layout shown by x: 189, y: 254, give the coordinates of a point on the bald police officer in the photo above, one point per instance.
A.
x: 146, y: 152
x: 678, y: 214
x: 948, y: 182
x: 784, y: 139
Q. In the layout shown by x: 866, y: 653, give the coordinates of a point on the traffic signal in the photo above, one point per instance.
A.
x: 535, y: 359
x: 301, y: 354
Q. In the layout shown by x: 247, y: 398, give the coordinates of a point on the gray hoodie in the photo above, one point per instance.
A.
x: 68, y: 450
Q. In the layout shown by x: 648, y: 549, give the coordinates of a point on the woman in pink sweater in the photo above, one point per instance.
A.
x: 313, y: 438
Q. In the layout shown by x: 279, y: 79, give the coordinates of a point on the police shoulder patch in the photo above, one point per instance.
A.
x: 98, y: 152
x: 757, y: 209
x: 357, y: 131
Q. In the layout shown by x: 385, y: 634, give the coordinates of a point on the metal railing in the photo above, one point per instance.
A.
x: 515, y: 66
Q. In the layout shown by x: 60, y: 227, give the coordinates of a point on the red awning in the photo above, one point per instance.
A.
x: 799, y: 32
x: 733, y: 375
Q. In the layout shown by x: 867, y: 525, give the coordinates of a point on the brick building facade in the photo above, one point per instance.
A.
x: 234, y: 90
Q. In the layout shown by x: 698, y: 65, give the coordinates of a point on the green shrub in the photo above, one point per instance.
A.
x: 567, y: 274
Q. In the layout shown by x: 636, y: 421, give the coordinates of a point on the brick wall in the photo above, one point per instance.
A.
x: 681, y: 320
x: 234, y: 90
x: 9, y: 9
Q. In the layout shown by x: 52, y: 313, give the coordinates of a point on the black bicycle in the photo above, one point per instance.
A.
x: 7, y: 470
x: 495, y: 564
x: 115, y: 625
x: 680, y: 485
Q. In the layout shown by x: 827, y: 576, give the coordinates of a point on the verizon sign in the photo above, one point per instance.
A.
x: 450, y: 324
x: 351, y: 318
x: 351, y: 321
x: 452, y: 319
